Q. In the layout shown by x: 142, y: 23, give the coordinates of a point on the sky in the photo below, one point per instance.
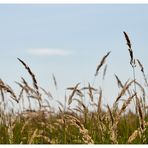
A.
x: 69, y: 40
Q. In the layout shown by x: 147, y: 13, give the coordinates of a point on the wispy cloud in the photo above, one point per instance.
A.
x: 49, y: 52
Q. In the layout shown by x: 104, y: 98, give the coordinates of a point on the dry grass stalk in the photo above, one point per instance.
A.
x: 104, y: 71
x: 72, y: 94
x: 61, y: 107
x: 30, y: 92
x: 135, y: 134
x: 127, y: 39
x: 142, y: 89
x: 92, y: 88
x: 47, y: 93
x: 143, y: 100
x: 60, y: 103
x: 129, y: 49
x: 110, y: 114
x: 118, y: 81
x: 11, y: 133
x: 54, y: 80
x: 141, y: 66
x: 132, y: 62
x: 141, y: 115
x: 114, y: 121
x: 20, y: 94
x: 24, y: 126
x: 33, y: 136
x: 24, y: 81
x: 124, y: 106
x: 27, y: 87
x: 113, y: 134
x: 36, y: 98
x: 141, y: 130
x: 8, y: 89
x: 112, y: 127
x: 32, y: 76
x: 101, y: 63
x: 143, y: 73
x: 79, y: 109
x: 100, y: 102
x: 78, y: 91
x: 19, y: 84
x: 124, y: 89
x: 90, y: 92
x: 80, y: 105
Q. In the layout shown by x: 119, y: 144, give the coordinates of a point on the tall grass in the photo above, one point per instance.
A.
x: 82, y: 123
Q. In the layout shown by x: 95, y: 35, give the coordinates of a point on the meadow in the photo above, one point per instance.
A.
x: 27, y: 117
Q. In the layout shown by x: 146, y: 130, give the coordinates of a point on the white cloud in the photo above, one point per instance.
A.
x: 49, y: 52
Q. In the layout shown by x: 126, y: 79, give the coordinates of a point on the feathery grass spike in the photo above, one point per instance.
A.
x: 130, y: 49
x: 127, y: 39
x: 124, y: 89
x: 141, y: 66
x: 72, y: 94
x: 118, y: 81
x: 101, y: 63
x: 32, y: 75
x: 54, y: 80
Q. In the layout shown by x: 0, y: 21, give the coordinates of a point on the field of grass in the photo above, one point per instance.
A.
x: 27, y: 117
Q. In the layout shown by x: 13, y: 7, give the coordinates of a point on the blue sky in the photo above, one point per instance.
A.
x: 69, y: 41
